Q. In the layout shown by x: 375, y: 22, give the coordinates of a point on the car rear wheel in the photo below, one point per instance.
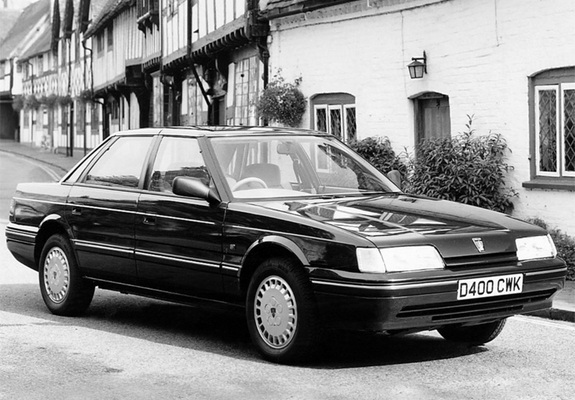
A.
x: 63, y: 289
x: 474, y: 334
x: 281, y: 312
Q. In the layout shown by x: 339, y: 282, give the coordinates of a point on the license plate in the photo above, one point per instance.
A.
x: 487, y: 287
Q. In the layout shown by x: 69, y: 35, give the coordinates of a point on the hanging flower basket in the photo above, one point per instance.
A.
x: 18, y: 103
x: 282, y: 102
x: 31, y: 102
x: 49, y: 101
x: 86, y: 96
x: 64, y: 100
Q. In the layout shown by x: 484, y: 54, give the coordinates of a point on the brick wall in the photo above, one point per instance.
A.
x: 480, y: 54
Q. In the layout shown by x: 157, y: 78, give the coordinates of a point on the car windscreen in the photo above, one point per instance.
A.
x: 294, y: 166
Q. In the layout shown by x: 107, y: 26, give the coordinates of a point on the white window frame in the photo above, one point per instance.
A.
x: 561, y: 131
x: 343, y: 112
x: 345, y: 121
x: 315, y: 109
x: 539, y: 89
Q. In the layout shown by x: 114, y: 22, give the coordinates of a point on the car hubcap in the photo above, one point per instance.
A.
x: 275, y: 312
x: 56, y: 275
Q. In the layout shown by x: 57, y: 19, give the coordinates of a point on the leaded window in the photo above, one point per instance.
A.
x: 335, y: 113
x: 555, y: 130
x: 552, y: 129
x: 245, y: 89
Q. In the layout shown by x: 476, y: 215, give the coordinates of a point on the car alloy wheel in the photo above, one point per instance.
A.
x: 281, y: 312
x: 64, y: 290
x: 56, y: 275
x: 275, y: 312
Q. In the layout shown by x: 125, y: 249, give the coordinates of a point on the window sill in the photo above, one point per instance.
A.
x: 551, y: 183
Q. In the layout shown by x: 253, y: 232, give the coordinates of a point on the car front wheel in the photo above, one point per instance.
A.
x: 63, y: 289
x: 474, y: 334
x: 281, y: 314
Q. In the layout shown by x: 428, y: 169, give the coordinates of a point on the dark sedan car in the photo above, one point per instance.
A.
x: 291, y: 225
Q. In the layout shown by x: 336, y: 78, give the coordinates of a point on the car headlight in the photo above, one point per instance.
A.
x: 399, y: 259
x: 535, y: 247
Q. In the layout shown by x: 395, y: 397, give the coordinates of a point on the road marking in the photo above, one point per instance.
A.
x: 544, y: 322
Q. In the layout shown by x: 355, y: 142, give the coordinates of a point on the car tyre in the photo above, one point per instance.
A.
x: 281, y: 312
x: 474, y: 334
x: 63, y: 289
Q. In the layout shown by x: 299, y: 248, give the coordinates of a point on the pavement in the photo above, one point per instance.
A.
x: 563, y: 304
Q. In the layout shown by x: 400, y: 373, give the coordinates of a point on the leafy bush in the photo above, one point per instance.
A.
x: 565, y: 246
x: 378, y: 151
x: 467, y: 168
x: 282, y: 102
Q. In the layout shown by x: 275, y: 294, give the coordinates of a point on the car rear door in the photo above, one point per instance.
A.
x: 102, y: 209
x: 178, y: 239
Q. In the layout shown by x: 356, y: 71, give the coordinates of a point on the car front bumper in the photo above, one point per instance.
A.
x: 411, y: 305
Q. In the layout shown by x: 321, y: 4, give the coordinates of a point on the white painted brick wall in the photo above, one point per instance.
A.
x: 480, y: 54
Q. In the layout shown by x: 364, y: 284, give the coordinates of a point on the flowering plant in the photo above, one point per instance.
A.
x: 282, y: 102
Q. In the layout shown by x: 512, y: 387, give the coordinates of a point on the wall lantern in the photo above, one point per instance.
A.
x: 417, y: 67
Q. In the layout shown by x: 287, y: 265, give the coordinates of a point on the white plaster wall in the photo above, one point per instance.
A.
x: 480, y: 53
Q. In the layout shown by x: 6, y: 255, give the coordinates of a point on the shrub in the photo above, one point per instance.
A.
x: 565, y: 246
x: 282, y: 102
x: 467, y: 168
x: 378, y: 151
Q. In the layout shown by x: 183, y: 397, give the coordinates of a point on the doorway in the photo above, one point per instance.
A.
x: 432, y: 116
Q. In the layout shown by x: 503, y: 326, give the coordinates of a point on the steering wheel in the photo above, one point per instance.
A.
x: 249, y: 179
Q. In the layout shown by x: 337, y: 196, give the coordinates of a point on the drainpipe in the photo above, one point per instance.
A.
x: 32, y: 113
x: 85, y: 66
x: 91, y: 78
x: 70, y: 127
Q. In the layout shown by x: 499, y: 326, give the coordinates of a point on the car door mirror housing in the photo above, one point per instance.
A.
x: 193, y: 187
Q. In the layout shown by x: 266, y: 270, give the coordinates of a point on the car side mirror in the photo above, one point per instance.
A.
x: 193, y: 187
x: 395, y: 176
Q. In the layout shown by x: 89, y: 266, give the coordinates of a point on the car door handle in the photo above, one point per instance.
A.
x: 149, y: 220
x: 76, y: 211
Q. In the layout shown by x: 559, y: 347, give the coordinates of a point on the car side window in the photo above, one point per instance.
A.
x: 122, y: 163
x: 177, y: 156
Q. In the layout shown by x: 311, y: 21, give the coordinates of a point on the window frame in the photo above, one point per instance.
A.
x: 82, y: 178
x: 559, y: 79
x: 110, y: 37
x: 329, y: 102
x: 538, y: 171
x: 163, y: 143
x: 564, y: 87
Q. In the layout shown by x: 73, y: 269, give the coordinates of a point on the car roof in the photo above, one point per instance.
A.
x: 215, y: 131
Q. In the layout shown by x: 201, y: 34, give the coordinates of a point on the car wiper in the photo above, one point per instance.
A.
x: 330, y: 196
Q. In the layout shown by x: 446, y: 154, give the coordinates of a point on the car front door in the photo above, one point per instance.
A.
x: 178, y: 239
x: 102, y: 208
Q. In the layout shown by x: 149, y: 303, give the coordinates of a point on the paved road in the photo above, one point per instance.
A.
x: 15, y: 169
x: 127, y: 347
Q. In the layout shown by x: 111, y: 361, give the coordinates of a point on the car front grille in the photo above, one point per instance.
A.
x: 491, y: 260
x: 474, y: 308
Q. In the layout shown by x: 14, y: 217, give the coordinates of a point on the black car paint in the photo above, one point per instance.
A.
x: 150, y: 244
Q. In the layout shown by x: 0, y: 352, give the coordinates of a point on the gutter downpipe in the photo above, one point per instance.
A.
x: 91, y: 90
x: 91, y: 77
x: 71, y: 105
